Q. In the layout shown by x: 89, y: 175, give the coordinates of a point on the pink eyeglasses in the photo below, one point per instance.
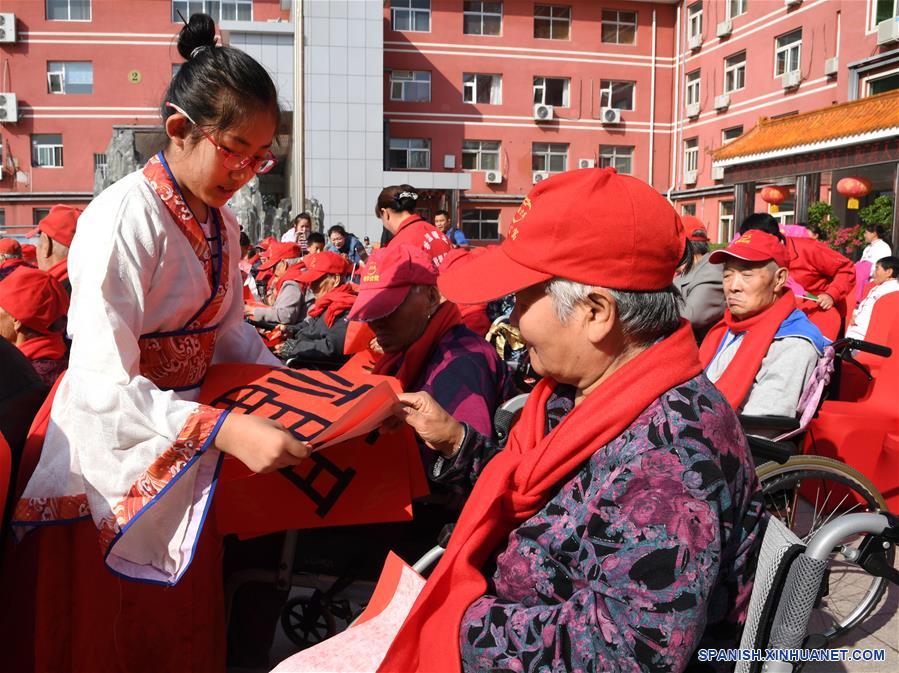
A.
x: 232, y: 160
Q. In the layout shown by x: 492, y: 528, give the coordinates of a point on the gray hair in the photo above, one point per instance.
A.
x: 11, y: 255
x: 646, y: 316
x: 292, y: 260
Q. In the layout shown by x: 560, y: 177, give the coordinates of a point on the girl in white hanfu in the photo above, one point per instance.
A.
x: 130, y: 459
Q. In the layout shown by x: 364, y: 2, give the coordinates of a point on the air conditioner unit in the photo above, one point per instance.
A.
x: 722, y: 102
x: 493, y: 177
x: 543, y: 112
x: 695, y: 42
x: 610, y: 115
x: 717, y: 172
x: 888, y: 31
x: 7, y: 27
x: 586, y: 163
x: 9, y: 110
x: 692, y: 110
x: 831, y: 66
x: 689, y: 177
x: 792, y: 3
x: 790, y: 80
x: 540, y: 175
x: 725, y: 28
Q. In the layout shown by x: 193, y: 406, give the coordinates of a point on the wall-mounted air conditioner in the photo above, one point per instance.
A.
x: 791, y: 80
x: 7, y: 27
x: 724, y: 28
x: 543, y: 112
x: 610, y: 115
x: 539, y: 176
x: 586, y: 163
x: 717, y: 172
x: 695, y: 42
x: 692, y: 110
x: 9, y: 110
x: 493, y: 177
x: 689, y: 177
x: 831, y: 66
x: 888, y: 31
x: 722, y: 102
x: 792, y: 3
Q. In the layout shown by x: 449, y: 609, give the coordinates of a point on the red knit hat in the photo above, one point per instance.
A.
x: 591, y: 226
x: 34, y: 298
x: 387, y: 278
x: 59, y: 224
x: 753, y: 246
x: 278, y: 252
x: 319, y: 264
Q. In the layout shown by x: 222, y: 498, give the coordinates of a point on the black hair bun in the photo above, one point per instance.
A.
x: 197, y: 33
x: 406, y: 198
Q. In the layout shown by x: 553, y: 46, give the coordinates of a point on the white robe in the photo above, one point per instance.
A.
x: 133, y: 272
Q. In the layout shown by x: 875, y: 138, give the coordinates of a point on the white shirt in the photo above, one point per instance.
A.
x: 861, y: 318
x: 874, y: 252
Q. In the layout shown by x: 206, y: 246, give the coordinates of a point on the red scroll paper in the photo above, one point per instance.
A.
x: 369, y: 478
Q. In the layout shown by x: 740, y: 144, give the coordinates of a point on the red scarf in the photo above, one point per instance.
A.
x: 407, y: 364
x: 334, y: 303
x: 518, y: 482
x: 60, y: 271
x: 44, y: 347
x: 760, y: 329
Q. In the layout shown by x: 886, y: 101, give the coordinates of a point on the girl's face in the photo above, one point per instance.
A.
x: 201, y: 173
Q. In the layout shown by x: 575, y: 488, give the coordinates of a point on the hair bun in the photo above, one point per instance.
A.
x: 196, y: 36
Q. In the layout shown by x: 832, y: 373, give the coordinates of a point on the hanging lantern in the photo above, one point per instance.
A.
x: 853, y: 189
x: 774, y: 195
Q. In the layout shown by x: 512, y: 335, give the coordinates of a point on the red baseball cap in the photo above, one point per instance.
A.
x: 34, y: 298
x: 29, y: 253
x: 59, y: 224
x: 278, y: 252
x: 591, y: 226
x: 10, y: 246
x: 696, y: 230
x: 753, y: 246
x: 320, y: 264
x: 387, y: 278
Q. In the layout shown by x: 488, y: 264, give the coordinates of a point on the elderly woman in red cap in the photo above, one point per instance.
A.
x: 617, y: 528
x: 56, y: 232
x: 287, y: 297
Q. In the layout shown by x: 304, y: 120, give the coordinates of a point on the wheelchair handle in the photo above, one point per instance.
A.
x: 864, y: 346
x: 831, y: 534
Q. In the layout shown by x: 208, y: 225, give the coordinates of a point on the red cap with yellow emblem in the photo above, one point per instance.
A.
x: 387, y: 278
x: 320, y: 264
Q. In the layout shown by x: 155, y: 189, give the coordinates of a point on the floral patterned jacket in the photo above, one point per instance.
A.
x: 644, y: 555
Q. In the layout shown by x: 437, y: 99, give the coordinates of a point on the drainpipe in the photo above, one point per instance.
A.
x: 652, y: 103
x: 677, y: 107
x: 298, y: 145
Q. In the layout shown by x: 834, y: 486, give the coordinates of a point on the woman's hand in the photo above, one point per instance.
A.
x: 825, y: 301
x: 438, y: 430
x: 263, y: 445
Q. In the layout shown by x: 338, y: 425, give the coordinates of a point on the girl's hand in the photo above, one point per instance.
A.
x: 263, y: 445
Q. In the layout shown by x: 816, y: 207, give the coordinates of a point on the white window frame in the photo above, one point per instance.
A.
x: 484, y: 152
x: 725, y: 139
x: 59, y: 77
x: 409, y: 80
x: 694, y: 19
x: 482, y: 14
x: 733, y: 69
x: 545, y: 153
x: 412, y: 147
x: 691, y: 155
x: 619, y: 157
x: 688, y: 209
x: 553, y: 20
x: 726, y: 220
x: 49, y: 151
x: 411, y: 14
x: 605, y: 92
x: 693, y: 87
x: 215, y: 9
x: 791, y: 51
x: 101, y: 164
x: 735, y: 8
x: 618, y: 23
x: 90, y: 11
x: 865, y: 84
x: 471, y: 82
x: 894, y: 13
x: 540, y: 91
x: 480, y: 220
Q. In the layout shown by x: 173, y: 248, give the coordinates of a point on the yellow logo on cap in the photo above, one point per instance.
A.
x: 745, y: 238
x: 522, y: 211
x: 513, y: 233
x: 371, y: 274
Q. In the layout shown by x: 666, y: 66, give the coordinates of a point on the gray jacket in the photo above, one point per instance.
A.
x: 703, y: 295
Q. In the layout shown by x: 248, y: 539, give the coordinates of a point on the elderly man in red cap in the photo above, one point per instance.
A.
x: 33, y: 306
x: 764, y: 350
x: 621, y: 520
x: 10, y: 256
x: 699, y: 282
x: 286, y: 296
x: 56, y: 232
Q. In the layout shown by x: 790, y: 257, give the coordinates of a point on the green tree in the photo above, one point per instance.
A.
x: 880, y: 212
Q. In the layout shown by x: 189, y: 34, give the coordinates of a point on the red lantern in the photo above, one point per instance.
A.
x: 853, y: 189
x: 774, y: 195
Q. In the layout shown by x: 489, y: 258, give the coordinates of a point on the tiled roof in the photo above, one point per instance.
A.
x: 859, y: 118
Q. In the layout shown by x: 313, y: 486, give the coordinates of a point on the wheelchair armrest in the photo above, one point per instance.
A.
x: 764, y: 450
x: 264, y: 324
x: 783, y: 423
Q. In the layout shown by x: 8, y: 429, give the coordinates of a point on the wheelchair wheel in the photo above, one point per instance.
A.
x: 805, y: 493
x: 307, y: 621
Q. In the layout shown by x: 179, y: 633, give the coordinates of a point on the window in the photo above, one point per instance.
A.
x: 735, y: 8
x: 550, y: 157
x: 551, y: 91
x: 478, y: 88
x: 688, y: 209
x: 786, y: 53
x: 735, y: 72
x: 691, y: 154
x: 876, y: 85
x: 732, y: 133
x: 175, y: 68
x: 2, y: 217
x: 411, y: 15
x: 481, y: 224
x: 100, y: 167
x: 38, y: 214
x: 46, y: 150
x: 619, y: 157
x: 70, y: 77
x: 725, y: 220
x: 884, y: 10
x: 219, y: 10
x: 694, y: 19
x: 410, y: 153
x: 619, y: 27
x: 552, y: 22
x: 482, y: 18
x: 616, y: 94
x: 411, y: 86
x: 68, y: 10
x: 691, y: 90
x: 480, y: 155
